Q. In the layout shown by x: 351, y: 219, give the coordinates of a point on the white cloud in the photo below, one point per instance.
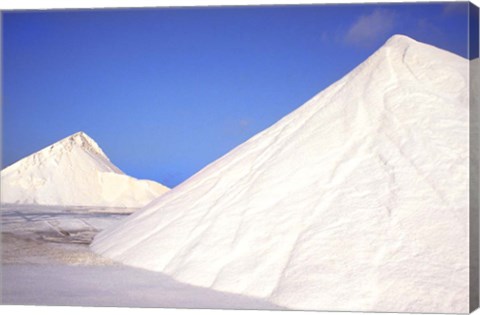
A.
x: 453, y: 8
x: 324, y: 36
x: 244, y: 123
x: 369, y: 28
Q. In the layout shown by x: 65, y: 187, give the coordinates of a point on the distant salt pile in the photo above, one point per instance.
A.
x: 358, y: 200
x: 74, y: 172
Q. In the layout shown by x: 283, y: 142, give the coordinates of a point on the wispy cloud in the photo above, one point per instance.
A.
x: 425, y: 28
x: 244, y: 123
x: 238, y: 127
x: 453, y: 8
x: 324, y: 36
x: 369, y: 28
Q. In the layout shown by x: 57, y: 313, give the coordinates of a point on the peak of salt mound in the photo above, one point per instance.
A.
x: 402, y: 47
x: 399, y: 40
x: 357, y: 200
x: 80, y: 140
x: 74, y: 172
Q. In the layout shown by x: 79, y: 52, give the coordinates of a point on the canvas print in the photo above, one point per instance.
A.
x: 300, y: 157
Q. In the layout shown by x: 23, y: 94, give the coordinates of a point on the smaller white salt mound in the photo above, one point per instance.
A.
x: 74, y: 172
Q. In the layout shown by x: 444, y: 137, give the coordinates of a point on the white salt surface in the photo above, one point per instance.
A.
x: 74, y: 172
x: 46, y: 261
x: 54, y: 235
x: 358, y: 200
x: 111, y: 286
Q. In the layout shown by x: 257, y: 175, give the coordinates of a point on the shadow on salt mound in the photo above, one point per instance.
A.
x: 112, y: 286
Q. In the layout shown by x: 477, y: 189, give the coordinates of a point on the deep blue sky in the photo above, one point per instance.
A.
x: 166, y: 91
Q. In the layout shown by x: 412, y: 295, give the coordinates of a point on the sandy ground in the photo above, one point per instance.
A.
x: 46, y: 261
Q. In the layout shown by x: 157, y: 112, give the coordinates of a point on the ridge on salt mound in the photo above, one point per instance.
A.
x: 74, y: 172
x: 357, y: 200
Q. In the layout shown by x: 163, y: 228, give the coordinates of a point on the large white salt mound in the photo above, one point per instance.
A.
x: 358, y: 200
x: 74, y: 172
